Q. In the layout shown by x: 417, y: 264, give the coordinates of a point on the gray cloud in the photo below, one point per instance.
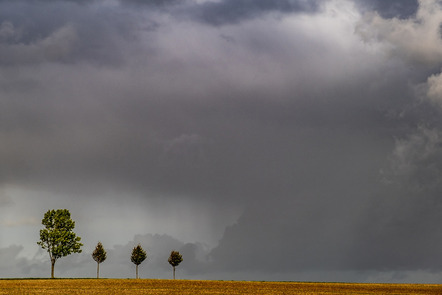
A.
x: 155, y: 3
x: 227, y: 12
x: 63, y: 31
x: 416, y: 39
x: 14, y: 266
x: 389, y: 9
x: 5, y: 200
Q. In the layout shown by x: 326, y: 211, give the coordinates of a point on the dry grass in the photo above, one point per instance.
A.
x: 143, y: 286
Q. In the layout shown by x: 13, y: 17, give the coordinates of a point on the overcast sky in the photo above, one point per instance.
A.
x: 264, y: 140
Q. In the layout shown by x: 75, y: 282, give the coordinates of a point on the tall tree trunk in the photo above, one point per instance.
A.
x: 52, y: 267
x: 98, y: 270
x: 136, y: 270
x: 174, y: 272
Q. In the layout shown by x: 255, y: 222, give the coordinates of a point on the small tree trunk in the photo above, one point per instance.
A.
x: 52, y: 267
x: 136, y: 270
x: 174, y: 272
x: 98, y: 270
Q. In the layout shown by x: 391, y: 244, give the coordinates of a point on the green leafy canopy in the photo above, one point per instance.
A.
x: 99, y: 254
x: 175, y: 258
x: 138, y: 255
x: 58, y: 237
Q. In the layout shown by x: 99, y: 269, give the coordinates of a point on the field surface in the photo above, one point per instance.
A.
x: 145, y: 286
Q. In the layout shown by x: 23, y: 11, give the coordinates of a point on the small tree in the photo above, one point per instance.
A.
x: 175, y: 259
x: 138, y: 256
x: 58, y: 237
x: 99, y: 255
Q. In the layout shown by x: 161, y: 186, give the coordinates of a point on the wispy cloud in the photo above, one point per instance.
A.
x: 20, y: 222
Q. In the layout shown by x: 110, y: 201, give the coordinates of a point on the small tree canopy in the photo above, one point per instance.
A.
x: 175, y: 258
x: 138, y: 255
x: 99, y: 254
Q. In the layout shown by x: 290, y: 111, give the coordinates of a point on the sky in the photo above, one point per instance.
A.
x: 264, y: 140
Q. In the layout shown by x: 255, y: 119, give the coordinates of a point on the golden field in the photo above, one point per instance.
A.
x: 184, y: 287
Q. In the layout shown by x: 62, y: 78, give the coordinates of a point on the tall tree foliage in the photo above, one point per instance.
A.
x: 58, y: 238
x: 99, y: 255
x: 175, y: 259
x: 138, y: 256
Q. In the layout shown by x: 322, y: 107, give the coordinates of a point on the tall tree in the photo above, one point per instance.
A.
x: 99, y: 255
x: 58, y: 237
x: 138, y: 256
x: 175, y: 259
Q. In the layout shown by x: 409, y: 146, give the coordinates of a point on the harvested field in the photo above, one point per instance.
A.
x: 146, y: 286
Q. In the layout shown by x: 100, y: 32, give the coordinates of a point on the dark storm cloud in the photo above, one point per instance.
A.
x: 315, y: 226
x: 405, y: 214
x: 227, y: 11
x: 63, y: 31
x: 335, y: 215
x: 231, y: 11
x: 157, y: 3
x: 389, y: 9
x: 184, y: 155
x: 345, y: 219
